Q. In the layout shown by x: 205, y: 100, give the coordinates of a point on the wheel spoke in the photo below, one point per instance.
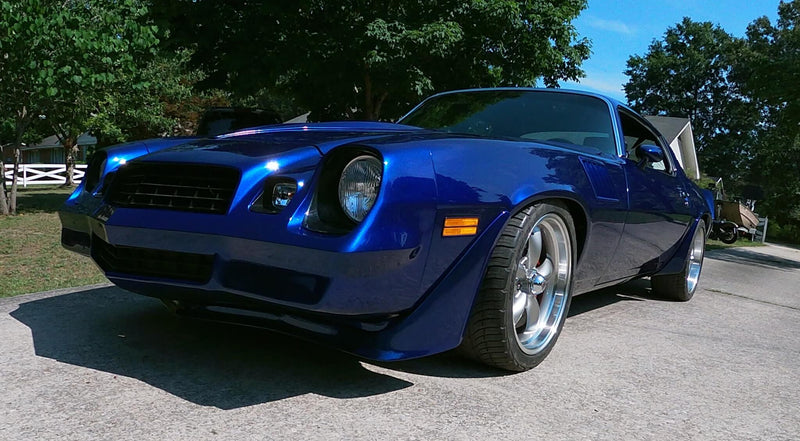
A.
x: 518, y: 308
x: 522, y: 270
x: 534, y: 247
x: 532, y: 310
x: 545, y: 269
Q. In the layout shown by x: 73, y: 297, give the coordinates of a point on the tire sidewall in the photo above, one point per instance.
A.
x: 674, y: 286
x: 537, y: 211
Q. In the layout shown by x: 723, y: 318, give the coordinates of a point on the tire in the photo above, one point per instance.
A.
x: 501, y: 330
x: 728, y: 233
x: 682, y: 286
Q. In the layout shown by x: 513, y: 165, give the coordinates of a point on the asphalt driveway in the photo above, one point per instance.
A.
x: 101, y: 363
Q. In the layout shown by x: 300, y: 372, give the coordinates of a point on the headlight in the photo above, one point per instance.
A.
x: 359, y: 186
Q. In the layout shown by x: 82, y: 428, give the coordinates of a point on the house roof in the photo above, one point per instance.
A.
x: 669, y: 126
x: 52, y: 142
x: 298, y: 119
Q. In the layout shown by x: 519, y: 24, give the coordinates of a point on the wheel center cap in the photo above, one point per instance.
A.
x: 537, y: 283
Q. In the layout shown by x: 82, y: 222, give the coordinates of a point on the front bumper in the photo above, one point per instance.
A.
x: 376, y: 304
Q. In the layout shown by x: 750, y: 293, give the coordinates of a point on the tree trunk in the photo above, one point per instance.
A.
x: 21, y: 123
x: 372, y: 102
x: 369, y: 104
x: 377, y: 106
x: 3, y: 201
x: 70, y: 149
x: 13, y: 199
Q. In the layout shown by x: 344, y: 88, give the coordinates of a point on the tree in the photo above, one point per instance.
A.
x: 59, y: 58
x: 688, y: 74
x: 34, y: 133
x: 161, y: 104
x: 770, y: 72
x: 374, y: 60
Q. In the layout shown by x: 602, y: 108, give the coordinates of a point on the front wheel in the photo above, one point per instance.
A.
x: 681, y: 286
x: 526, y: 291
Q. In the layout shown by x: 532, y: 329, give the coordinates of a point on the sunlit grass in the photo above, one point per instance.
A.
x: 717, y: 245
x: 31, y: 256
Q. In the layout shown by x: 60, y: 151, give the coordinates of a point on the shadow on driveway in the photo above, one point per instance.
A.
x: 209, y: 364
x: 635, y: 291
x: 228, y: 366
x: 749, y: 257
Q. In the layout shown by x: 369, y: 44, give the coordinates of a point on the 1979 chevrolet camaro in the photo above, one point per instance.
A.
x: 471, y: 222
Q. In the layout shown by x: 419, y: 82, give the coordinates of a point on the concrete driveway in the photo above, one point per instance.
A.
x: 101, y: 363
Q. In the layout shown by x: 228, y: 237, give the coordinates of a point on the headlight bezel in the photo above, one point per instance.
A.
x: 326, y: 214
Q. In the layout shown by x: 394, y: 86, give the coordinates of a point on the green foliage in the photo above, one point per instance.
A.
x: 783, y: 233
x: 769, y: 71
x: 280, y: 101
x: 368, y: 59
x: 61, y: 59
x: 688, y: 74
x: 705, y: 182
x: 743, y: 97
x: 150, y: 108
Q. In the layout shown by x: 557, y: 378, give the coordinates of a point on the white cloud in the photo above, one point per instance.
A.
x: 609, y: 25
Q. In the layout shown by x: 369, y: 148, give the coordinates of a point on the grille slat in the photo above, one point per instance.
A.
x: 174, y: 196
x: 152, y: 263
x: 183, y: 187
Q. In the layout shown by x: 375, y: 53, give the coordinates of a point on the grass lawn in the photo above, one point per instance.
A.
x: 717, y: 245
x: 31, y: 256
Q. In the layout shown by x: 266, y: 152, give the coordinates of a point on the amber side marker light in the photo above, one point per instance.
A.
x: 460, y: 226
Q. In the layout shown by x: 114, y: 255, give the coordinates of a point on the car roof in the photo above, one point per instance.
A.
x: 537, y: 89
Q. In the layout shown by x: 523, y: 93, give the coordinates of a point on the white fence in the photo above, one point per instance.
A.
x: 43, y: 174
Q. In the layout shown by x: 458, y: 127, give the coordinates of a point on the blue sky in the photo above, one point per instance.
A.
x: 621, y: 28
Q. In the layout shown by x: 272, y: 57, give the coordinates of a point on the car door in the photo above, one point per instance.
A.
x: 659, y: 207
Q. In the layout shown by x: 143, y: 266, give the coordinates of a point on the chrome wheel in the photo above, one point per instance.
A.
x: 695, y: 261
x: 542, y: 283
x: 681, y: 286
x: 526, y: 291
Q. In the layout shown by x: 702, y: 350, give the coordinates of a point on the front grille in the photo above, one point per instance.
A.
x: 152, y: 263
x: 184, y: 187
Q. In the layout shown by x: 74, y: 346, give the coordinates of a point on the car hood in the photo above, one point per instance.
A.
x: 264, y: 142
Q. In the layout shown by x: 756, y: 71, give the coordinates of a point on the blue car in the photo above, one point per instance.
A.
x: 470, y: 223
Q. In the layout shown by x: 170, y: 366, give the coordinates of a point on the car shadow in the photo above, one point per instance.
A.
x: 751, y: 257
x: 636, y: 290
x: 228, y: 366
x: 210, y: 364
x: 453, y: 365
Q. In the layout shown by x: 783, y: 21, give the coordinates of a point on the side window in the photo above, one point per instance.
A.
x: 635, y: 134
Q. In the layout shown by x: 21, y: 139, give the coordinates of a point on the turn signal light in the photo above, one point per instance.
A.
x: 460, y: 226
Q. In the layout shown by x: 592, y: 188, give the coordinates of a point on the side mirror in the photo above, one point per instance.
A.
x: 649, y: 154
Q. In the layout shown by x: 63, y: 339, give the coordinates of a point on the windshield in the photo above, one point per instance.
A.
x: 554, y: 117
